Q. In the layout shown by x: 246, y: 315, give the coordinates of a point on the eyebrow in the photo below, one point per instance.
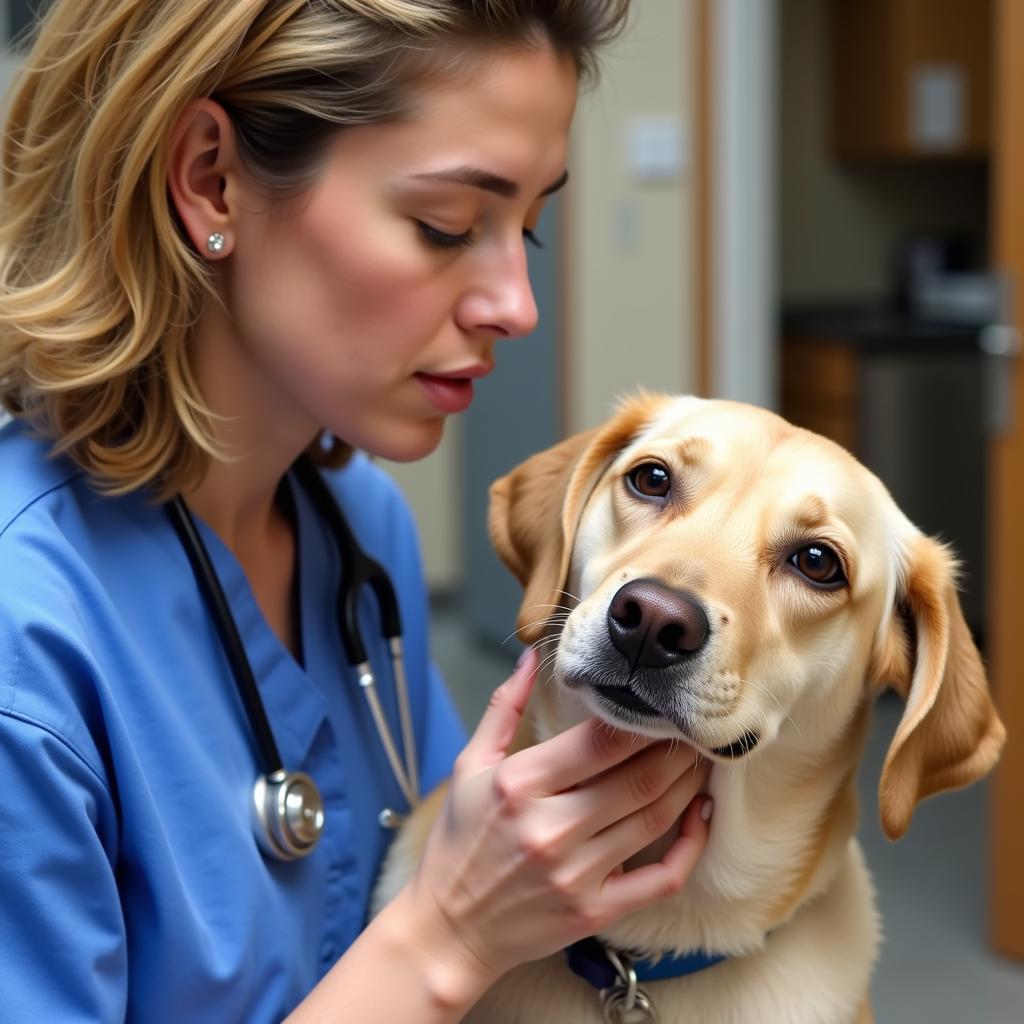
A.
x: 487, y: 181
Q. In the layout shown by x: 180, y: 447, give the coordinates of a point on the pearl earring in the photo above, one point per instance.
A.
x: 215, y: 243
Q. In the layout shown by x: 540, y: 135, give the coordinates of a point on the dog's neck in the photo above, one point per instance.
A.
x: 782, y: 824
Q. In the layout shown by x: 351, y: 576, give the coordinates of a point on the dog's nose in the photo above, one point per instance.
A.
x: 653, y: 626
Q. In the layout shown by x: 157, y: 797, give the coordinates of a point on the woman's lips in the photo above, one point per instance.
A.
x: 449, y: 394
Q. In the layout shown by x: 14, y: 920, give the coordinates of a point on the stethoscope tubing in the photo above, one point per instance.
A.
x: 287, y: 807
x: 234, y: 650
x: 405, y: 775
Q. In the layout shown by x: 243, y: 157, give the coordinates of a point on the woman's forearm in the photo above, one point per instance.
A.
x: 396, y: 971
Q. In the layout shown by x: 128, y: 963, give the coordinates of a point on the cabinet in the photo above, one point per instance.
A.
x: 906, y: 399
x: 910, y: 78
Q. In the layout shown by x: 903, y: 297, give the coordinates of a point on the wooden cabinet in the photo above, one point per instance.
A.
x: 911, y: 78
x: 907, y: 400
x: 821, y: 388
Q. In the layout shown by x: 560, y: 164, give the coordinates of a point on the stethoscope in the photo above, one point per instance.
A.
x: 287, y: 809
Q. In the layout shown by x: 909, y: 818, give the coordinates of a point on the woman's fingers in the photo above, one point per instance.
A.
x: 632, y: 833
x: 492, y: 737
x: 626, y: 891
x: 617, y: 793
x: 558, y: 764
x: 573, y: 756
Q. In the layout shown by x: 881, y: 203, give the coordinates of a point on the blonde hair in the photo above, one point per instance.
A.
x: 99, y: 285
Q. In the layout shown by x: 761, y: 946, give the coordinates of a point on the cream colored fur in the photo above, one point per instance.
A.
x: 782, y: 886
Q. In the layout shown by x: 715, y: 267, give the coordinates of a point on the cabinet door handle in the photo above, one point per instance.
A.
x: 1000, y: 345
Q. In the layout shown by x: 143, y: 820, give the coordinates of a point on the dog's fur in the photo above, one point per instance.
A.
x: 788, y: 669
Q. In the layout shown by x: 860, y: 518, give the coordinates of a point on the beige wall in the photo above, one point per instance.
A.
x: 629, y: 249
x: 431, y: 486
x: 839, y: 222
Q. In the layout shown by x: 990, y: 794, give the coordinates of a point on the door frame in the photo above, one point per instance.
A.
x: 1006, y: 495
x: 736, y: 198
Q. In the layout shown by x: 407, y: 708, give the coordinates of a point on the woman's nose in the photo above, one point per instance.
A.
x: 501, y: 299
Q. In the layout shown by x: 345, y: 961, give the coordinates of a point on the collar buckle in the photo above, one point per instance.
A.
x: 624, y: 1002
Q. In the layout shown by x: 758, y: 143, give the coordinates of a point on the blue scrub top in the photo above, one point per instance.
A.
x: 131, y: 887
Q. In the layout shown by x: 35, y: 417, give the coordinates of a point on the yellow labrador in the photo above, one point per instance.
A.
x: 730, y: 579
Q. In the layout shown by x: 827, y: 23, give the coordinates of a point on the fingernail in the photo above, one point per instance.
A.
x: 707, y: 809
x: 524, y: 655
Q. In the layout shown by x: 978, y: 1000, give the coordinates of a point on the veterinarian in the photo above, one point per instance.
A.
x: 240, y: 241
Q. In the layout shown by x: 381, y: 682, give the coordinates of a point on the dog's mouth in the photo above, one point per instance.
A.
x: 624, y: 703
x: 623, y: 699
x: 744, y: 745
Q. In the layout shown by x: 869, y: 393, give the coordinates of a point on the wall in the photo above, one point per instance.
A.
x: 630, y: 254
x: 431, y: 485
x: 742, y: 218
x: 839, y: 223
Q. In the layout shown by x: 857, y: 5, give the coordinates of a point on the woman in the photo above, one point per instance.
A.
x: 232, y: 229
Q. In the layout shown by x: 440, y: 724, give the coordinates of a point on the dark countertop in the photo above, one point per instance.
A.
x: 877, y: 328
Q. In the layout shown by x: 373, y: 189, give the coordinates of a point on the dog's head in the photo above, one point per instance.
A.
x: 715, y: 574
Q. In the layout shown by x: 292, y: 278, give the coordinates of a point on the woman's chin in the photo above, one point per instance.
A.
x: 408, y: 444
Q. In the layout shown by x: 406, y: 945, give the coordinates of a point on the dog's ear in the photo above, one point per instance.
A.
x: 535, y: 510
x: 950, y: 734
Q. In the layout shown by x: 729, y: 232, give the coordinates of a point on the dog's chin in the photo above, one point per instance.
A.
x: 623, y: 709
x: 620, y: 707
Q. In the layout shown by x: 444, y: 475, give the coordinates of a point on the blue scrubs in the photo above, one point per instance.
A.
x: 131, y: 887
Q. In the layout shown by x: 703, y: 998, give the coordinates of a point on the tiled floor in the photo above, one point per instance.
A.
x: 935, y: 965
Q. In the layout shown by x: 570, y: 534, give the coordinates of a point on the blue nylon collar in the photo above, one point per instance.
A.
x: 587, y: 959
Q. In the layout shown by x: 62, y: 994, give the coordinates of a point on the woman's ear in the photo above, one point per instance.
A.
x: 536, y: 508
x: 201, y: 166
x: 950, y: 734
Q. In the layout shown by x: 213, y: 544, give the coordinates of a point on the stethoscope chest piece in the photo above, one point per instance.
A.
x: 288, y: 814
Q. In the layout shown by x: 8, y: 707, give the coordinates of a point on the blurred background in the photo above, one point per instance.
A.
x: 811, y: 205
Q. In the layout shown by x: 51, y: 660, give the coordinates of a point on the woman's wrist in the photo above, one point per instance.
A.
x: 416, y: 931
x: 405, y: 966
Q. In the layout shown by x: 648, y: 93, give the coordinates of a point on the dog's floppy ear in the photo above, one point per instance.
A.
x: 950, y: 734
x: 535, y: 509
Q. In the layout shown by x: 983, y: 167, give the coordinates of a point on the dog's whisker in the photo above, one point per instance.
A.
x: 558, y: 607
x: 749, y: 707
x: 548, y: 661
x: 549, y: 620
x: 550, y: 638
x: 546, y: 621
x: 760, y: 687
x: 763, y: 689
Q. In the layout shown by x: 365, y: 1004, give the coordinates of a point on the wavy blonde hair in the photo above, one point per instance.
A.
x: 99, y: 285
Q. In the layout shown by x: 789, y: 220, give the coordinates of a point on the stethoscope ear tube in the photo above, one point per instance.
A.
x: 206, y: 576
x: 287, y: 809
x: 359, y: 570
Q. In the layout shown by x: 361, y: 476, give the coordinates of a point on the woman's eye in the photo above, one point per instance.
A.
x: 442, y: 239
x: 650, y: 480
x: 532, y: 238
x: 819, y: 564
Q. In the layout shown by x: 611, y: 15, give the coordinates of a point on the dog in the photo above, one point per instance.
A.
x: 730, y: 580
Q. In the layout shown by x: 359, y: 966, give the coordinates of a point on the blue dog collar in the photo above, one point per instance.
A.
x: 589, y: 959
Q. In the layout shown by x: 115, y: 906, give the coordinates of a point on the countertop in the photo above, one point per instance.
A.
x: 877, y: 328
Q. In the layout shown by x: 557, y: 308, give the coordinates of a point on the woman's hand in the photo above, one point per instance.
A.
x: 527, y: 854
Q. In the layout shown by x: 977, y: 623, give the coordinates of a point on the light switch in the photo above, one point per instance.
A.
x: 656, y: 149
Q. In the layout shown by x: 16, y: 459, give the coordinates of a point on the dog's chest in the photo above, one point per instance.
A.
x: 815, y: 969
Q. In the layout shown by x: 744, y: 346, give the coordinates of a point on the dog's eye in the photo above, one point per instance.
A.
x: 650, y: 480
x: 819, y: 564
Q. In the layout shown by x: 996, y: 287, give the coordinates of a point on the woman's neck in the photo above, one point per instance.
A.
x: 258, y: 428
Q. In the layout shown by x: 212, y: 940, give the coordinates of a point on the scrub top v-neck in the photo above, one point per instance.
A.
x: 133, y: 887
